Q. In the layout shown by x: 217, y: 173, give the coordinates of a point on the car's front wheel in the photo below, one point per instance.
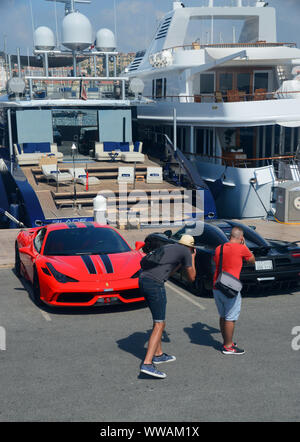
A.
x: 36, y: 288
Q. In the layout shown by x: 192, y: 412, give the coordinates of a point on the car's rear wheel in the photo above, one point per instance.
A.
x: 17, y: 261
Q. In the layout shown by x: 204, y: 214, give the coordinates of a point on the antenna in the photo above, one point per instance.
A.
x: 70, y: 4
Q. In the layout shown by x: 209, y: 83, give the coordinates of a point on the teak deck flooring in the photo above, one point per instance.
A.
x: 106, y: 171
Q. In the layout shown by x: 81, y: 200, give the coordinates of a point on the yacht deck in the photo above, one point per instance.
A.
x: 69, y: 199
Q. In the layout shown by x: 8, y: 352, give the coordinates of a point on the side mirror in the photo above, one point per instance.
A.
x: 27, y: 251
x: 168, y: 233
x: 139, y: 245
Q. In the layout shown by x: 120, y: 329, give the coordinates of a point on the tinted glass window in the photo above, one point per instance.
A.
x: 243, y: 82
x: 207, y: 83
x: 159, y: 88
x: 226, y: 82
x: 207, y: 236
x: 84, y: 241
x: 261, y: 80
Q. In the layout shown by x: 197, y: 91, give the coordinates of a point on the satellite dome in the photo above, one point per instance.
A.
x: 77, y: 31
x: 105, y: 40
x: 16, y: 85
x: 44, y: 38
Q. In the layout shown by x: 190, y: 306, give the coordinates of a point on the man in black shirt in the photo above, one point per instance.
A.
x: 151, y: 283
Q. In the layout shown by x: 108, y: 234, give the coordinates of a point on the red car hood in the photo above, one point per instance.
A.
x: 98, y: 267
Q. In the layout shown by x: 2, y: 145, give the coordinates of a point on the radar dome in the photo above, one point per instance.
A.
x: 105, y: 40
x: 44, y: 38
x: 77, y: 31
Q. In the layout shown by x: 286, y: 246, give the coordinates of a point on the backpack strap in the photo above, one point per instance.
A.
x: 221, y: 259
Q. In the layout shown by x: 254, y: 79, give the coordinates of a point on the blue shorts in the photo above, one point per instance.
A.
x: 155, y: 295
x: 228, y: 308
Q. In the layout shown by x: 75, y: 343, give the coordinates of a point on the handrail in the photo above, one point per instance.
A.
x: 228, y: 159
x: 197, y: 46
x: 47, y: 86
x: 191, y: 172
x: 261, y: 96
x: 280, y: 157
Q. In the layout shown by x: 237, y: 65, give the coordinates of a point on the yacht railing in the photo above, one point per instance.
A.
x: 258, y: 44
x: 230, y: 97
x: 85, y: 88
x: 234, y: 160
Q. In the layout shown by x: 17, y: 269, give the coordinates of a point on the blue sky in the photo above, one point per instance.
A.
x: 136, y: 19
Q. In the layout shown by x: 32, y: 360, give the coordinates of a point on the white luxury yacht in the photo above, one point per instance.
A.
x: 68, y: 138
x: 227, y: 92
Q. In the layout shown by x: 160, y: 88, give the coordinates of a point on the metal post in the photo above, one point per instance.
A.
x: 46, y: 64
x: 19, y: 62
x: 30, y: 88
x: 95, y: 65
x: 115, y: 66
x: 74, y: 64
x: 175, y: 129
x: 9, y: 66
x: 11, y: 151
x: 106, y: 65
x: 74, y: 178
x: 123, y: 89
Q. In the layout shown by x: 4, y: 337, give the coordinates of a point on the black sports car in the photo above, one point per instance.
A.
x: 277, y: 263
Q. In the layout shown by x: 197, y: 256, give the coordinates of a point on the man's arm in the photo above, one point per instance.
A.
x: 251, y: 260
x: 248, y: 256
x: 191, y: 271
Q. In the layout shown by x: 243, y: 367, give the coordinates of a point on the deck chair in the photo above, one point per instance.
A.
x: 154, y: 175
x: 80, y: 176
x: 219, y: 97
x: 242, y: 95
x: 51, y: 172
x: 233, y: 95
x: 126, y: 175
x: 260, y: 94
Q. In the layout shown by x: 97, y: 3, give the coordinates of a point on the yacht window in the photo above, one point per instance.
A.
x: 165, y: 87
x: 207, y: 83
x: 226, y: 82
x: 261, y: 80
x: 243, y: 82
x: 159, y: 88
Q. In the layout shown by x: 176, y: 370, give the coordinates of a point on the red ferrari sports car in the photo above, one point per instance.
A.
x: 78, y: 264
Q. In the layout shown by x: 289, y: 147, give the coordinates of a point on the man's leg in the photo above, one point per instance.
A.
x: 222, y: 321
x: 154, y: 344
x: 228, y: 330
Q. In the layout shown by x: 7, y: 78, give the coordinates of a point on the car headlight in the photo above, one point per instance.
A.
x: 60, y: 277
x: 137, y: 274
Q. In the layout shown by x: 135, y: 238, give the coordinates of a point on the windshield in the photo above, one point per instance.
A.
x: 204, y: 235
x: 85, y: 241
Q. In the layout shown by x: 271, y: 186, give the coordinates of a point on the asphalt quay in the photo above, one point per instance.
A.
x: 82, y: 365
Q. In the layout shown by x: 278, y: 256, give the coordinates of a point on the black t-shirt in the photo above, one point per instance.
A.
x: 174, y: 255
